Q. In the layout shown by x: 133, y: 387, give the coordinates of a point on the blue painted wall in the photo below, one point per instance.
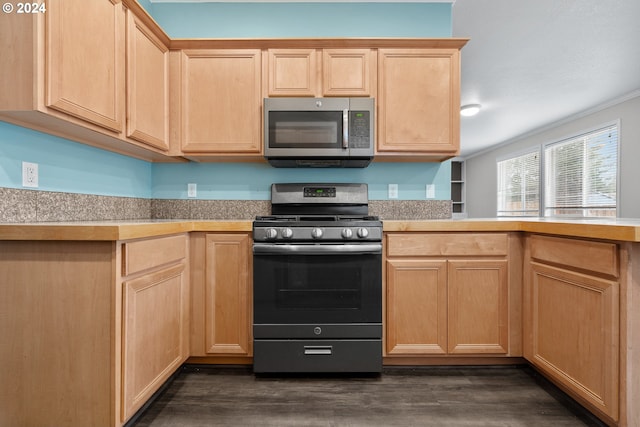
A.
x: 146, y: 4
x: 67, y: 166
x: 70, y: 167
x: 255, y: 20
x: 253, y: 181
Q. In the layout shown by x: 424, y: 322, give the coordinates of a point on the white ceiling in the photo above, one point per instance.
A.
x: 532, y: 63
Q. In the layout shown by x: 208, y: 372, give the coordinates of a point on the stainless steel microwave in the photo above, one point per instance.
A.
x: 319, y: 132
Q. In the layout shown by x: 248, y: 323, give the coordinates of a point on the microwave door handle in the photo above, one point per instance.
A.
x: 345, y: 129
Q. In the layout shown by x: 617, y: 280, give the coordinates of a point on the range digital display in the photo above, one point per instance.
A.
x: 319, y: 192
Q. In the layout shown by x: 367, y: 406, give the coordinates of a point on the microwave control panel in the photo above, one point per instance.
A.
x: 359, y: 129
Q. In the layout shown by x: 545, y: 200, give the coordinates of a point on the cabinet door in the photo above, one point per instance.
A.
x: 478, y: 307
x: 293, y: 72
x: 85, y: 61
x: 221, y: 101
x: 416, y: 307
x: 148, y: 86
x: 228, y: 295
x: 418, y: 101
x: 346, y: 72
x: 574, y: 326
x: 155, y: 330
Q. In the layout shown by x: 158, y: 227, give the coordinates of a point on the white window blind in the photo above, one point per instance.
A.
x: 519, y: 185
x: 581, y: 175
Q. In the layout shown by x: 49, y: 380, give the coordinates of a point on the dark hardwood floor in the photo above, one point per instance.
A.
x: 422, y: 396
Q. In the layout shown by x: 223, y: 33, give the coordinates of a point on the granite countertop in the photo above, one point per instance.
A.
x: 608, y: 229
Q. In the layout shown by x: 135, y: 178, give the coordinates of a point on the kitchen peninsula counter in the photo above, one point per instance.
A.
x: 625, y: 230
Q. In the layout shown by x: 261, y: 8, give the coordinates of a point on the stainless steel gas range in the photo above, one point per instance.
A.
x: 317, y: 281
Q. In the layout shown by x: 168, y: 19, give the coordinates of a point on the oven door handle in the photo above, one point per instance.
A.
x: 324, y: 249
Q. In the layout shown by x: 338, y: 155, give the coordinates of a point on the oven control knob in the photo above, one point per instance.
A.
x: 271, y: 233
x: 363, y: 233
x: 287, y: 233
x: 347, y: 233
x: 316, y: 233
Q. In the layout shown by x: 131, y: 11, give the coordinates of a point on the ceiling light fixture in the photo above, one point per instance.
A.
x: 470, y: 110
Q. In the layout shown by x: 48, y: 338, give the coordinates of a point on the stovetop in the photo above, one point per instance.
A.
x: 316, y: 213
x: 305, y: 219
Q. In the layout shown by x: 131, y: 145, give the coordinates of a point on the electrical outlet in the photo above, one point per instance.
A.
x: 29, y: 174
x: 431, y: 191
x: 192, y: 190
x: 393, y: 191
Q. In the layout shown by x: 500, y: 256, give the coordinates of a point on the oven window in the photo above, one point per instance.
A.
x: 317, y: 288
x: 305, y: 129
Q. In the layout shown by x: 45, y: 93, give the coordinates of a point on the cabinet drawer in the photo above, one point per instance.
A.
x: 598, y: 257
x: 145, y: 254
x: 447, y: 244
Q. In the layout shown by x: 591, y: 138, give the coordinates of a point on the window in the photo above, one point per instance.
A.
x: 519, y: 185
x: 581, y: 175
x: 579, y: 179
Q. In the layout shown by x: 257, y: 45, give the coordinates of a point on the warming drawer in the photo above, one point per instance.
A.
x: 290, y: 356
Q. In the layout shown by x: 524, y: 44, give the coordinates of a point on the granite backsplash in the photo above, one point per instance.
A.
x: 17, y: 205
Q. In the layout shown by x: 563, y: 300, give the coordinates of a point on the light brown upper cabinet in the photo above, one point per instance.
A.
x: 64, y: 73
x: 104, y: 74
x: 320, y: 72
x: 348, y: 72
x: 68, y: 60
x: 292, y: 72
x: 85, y: 61
x: 220, y: 101
x: 147, y: 85
x: 418, y: 104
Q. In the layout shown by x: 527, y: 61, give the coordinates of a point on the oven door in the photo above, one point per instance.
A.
x: 317, y: 283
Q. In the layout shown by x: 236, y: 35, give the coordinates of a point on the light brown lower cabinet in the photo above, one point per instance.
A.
x: 571, y: 309
x: 155, y: 326
x: 416, y: 307
x: 221, y: 297
x: 90, y: 329
x: 478, y: 317
x: 451, y: 294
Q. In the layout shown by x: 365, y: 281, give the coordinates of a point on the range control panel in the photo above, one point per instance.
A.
x: 319, y: 191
